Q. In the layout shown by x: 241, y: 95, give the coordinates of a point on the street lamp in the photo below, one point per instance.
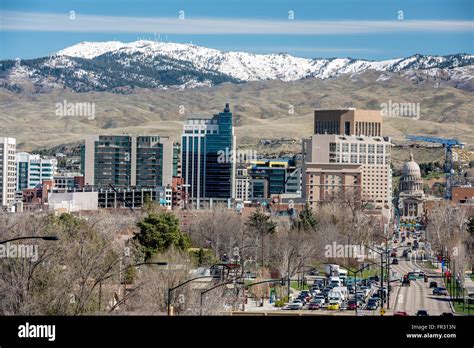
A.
x: 30, y: 237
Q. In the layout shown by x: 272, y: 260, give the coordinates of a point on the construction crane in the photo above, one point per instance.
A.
x: 448, y: 144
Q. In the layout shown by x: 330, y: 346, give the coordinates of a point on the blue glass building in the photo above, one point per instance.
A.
x: 208, y: 156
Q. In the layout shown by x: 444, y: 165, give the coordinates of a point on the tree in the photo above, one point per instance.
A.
x: 159, y: 232
x: 260, y: 224
x: 306, y: 220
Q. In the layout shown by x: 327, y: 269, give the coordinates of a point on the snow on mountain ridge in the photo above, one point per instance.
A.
x: 248, y: 66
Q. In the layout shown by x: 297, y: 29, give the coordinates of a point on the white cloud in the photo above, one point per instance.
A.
x: 28, y: 21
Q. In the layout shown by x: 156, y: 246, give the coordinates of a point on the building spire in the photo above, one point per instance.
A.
x: 411, y: 156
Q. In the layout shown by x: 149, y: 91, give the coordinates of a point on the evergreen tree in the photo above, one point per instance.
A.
x: 158, y: 232
x: 306, y: 219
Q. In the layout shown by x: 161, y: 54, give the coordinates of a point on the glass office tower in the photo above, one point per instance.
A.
x: 208, y: 156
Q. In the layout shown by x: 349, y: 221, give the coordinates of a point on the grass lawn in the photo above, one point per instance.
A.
x: 294, y: 285
x: 429, y: 265
x: 458, y: 306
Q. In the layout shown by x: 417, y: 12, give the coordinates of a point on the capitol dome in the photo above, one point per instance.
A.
x: 411, y: 180
x: 411, y: 168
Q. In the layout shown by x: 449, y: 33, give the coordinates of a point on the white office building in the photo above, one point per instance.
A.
x: 32, y: 170
x: 7, y: 171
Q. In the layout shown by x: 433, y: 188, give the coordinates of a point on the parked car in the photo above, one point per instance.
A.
x: 422, y: 313
x: 433, y: 284
x: 400, y: 314
x: 440, y: 291
x: 334, y: 306
x: 393, y: 254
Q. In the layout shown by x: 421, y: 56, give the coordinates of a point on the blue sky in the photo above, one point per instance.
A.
x: 368, y: 29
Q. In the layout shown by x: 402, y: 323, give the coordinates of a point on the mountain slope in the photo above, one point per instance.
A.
x: 120, y: 67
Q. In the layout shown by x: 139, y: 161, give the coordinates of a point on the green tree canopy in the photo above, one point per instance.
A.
x: 158, y: 232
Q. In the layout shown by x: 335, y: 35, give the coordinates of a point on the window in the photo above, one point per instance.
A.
x: 353, y: 148
x: 379, y: 148
x: 371, y: 148
x: 332, y: 147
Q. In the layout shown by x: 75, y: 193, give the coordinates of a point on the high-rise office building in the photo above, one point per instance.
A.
x: 348, y: 122
x: 32, y: 170
x: 124, y: 160
x: 351, y: 165
x: 208, y: 156
x: 7, y: 171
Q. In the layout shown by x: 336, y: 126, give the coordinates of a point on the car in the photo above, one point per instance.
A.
x: 295, y: 305
x: 412, y: 276
x: 319, y: 299
x: 406, y: 282
x: 395, y: 241
x: 400, y: 314
x: 440, y: 291
x: 395, y: 261
x: 314, y: 305
x: 433, y: 284
x: 393, y: 254
x: 422, y: 313
x: 405, y: 253
x: 334, y: 306
x: 372, y: 304
x: 352, y: 304
x: 447, y: 314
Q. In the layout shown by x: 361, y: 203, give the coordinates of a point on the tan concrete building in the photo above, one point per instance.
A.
x: 348, y: 122
x: 354, y: 165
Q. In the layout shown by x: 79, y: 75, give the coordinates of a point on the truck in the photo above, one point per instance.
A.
x: 342, y: 275
x: 332, y: 270
x: 341, y: 292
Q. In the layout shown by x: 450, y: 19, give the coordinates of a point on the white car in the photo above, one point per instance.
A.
x: 296, y: 304
x: 319, y: 299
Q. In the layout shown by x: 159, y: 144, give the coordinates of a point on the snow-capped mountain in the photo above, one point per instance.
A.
x: 115, y: 65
